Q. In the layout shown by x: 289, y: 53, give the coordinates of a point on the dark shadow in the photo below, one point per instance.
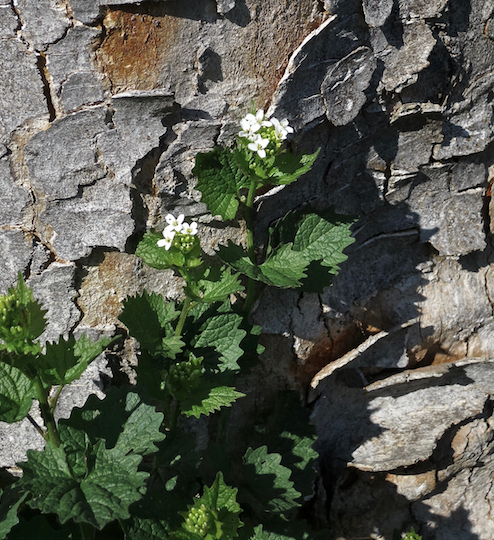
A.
x: 205, y: 10
x: 240, y: 14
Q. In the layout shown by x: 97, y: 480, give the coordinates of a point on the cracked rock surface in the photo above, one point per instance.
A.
x: 104, y: 105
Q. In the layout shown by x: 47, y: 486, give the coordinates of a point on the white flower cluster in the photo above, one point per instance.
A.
x: 176, y: 225
x: 252, y: 124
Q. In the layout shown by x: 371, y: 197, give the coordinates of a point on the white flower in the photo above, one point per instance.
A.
x: 168, y: 236
x: 281, y: 129
x: 189, y: 229
x: 173, y: 222
x: 285, y: 126
x: 258, y: 145
x: 249, y: 126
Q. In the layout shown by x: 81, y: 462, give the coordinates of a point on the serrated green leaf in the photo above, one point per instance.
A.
x: 9, y: 506
x: 283, y: 268
x: 288, y: 167
x: 216, y: 285
x: 36, y: 317
x: 220, y: 333
x: 66, y: 360
x: 267, y: 484
x: 286, y: 430
x: 38, y: 528
x: 320, y: 237
x: 219, y: 179
x: 16, y: 394
x: 172, y: 346
x: 146, y: 316
x: 134, y: 425
x: 158, y: 257
x: 105, y: 494
x: 209, y: 398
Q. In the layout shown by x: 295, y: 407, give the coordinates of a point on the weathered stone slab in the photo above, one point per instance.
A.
x: 13, y: 199
x: 86, y: 11
x: 15, y: 254
x: 21, y: 92
x: 8, y: 20
x: 402, y: 65
x: 344, y: 85
x: 376, y: 11
x: 57, y: 170
x: 468, y: 132
x: 43, y: 21
x: 71, y: 57
x: 423, y: 9
x: 54, y: 289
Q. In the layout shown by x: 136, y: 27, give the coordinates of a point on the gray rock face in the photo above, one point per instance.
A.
x: 99, y: 128
x: 22, y: 91
x: 43, y: 21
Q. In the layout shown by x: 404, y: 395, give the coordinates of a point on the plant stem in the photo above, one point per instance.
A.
x: 36, y: 426
x: 249, y: 222
x: 51, y: 428
x: 183, y: 316
x: 87, y: 531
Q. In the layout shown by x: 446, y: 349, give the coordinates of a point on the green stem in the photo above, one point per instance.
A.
x: 87, y: 531
x: 46, y: 413
x: 249, y: 222
x: 36, y: 426
x: 183, y: 316
x: 54, y: 400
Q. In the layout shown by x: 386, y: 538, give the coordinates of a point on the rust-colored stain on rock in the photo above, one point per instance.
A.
x: 146, y: 47
x: 130, y: 54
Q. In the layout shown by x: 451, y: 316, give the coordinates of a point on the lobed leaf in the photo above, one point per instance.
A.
x: 216, y: 285
x: 288, y: 167
x: 284, y: 267
x: 9, y: 506
x: 209, y: 398
x: 146, y: 316
x: 320, y: 238
x: 134, y: 425
x: 266, y: 483
x: 66, y: 360
x: 219, y: 179
x: 16, y: 394
x: 103, y: 495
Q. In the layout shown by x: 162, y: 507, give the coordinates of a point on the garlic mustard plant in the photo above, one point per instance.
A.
x: 129, y: 466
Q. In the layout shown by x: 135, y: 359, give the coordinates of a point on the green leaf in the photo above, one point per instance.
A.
x: 286, y: 430
x: 287, y: 167
x: 171, y: 346
x: 146, y: 316
x: 266, y: 483
x: 320, y: 238
x: 283, y: 268
x: 222, y: 334
x: 209, y: 398
x: 158, y: 257
x: 219, y: 179
x: 219, y: 504
x: 16, y: 394
x: 103, y: 495
x: 36, y: 317
x: 9, y: 506
x: 134, y: 425
x: 216, y: 285
x: 65, y: 361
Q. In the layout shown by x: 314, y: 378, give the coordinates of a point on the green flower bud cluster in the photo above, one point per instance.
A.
x: 14, y: 323
x: 184, y: 377
x: 185, y: 242
x: 200, y: 520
